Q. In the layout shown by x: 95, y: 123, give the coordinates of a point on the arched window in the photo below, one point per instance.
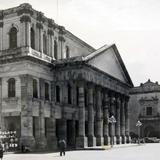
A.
x: 69, y: 94
x: 13, y: 38
x: 35, y: 89
x: 67, y: 52
x: 11, y: 87
x: 32, y: 39
x: 55, y: 50
x: 46, y: 91
x: 44, y: 43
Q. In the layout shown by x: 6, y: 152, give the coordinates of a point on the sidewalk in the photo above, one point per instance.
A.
x: 110, y: 147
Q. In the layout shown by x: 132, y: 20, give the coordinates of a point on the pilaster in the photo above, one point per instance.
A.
x: 106, y: 117
x: 118, y: 129
x: 91, y: 137
x: 113, y: 112
x: 128, y: 140
x: 41, y: 140
x: 81, y: 140
x: 123, y: 120
x: 99, y: 120
x: 26, y: 112
x: 1, y: 35
x: 26, y: 28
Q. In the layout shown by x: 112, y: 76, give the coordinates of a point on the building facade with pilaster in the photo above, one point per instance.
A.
x: 144, y: 106
x: 54, y: 85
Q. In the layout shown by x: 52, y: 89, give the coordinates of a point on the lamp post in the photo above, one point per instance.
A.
x: 112, y: 120
x: 138, y: 125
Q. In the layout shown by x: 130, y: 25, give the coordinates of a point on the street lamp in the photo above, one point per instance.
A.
x: 112, y: 120
x: 138, y: 125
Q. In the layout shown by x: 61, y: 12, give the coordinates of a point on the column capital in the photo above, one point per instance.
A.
x: 98, y: 88
x: 25, y: 18
x: 50, y: 32
x: 39, y: 25
x: 90, y: 85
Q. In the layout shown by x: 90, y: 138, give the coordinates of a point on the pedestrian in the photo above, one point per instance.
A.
x: 62, y: 147
x: 1, y: 151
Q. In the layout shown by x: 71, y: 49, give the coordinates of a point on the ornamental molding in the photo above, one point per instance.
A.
x: 39, y: 25
x: 25, y: 18
x: 148, y: 101
x: 41, y: 17
x: 50, y: 32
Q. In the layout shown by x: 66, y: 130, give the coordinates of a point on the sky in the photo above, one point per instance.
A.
x: 133, y: 25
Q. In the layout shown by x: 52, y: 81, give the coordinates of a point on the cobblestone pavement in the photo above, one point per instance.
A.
x: 132, y: 152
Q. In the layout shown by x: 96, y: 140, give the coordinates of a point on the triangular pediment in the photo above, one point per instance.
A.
x: 108, y: 60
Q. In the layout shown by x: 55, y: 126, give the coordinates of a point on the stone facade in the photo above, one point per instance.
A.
x: 54, y: 85
x: 144, y: 106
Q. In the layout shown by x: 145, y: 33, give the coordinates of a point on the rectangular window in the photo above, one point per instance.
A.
x: 35, y: 89
x: 46, y: 91
x: 149, y: 111
x: 57, y: 94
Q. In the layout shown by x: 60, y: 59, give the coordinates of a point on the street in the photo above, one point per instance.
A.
x: 132, y: 152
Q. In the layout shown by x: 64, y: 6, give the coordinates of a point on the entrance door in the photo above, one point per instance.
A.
x: 71, y: 134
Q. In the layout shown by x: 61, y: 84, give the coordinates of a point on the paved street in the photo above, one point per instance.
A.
x: 135, y: 152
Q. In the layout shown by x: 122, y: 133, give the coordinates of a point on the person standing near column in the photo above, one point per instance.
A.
x: 62, y: 147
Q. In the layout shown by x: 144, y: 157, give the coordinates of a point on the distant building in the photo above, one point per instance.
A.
x: 144, y: 105
x: 54, y: 85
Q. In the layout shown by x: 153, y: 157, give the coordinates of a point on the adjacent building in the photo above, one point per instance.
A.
x: 53, y: 85
x: 144, y: 106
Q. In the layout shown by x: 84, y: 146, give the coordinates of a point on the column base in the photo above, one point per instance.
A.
x: 99, y: 141
x: 81, y: 142
x: 107, y: 140
x: 124, y: 139
x: 52, y: 143
x: 41, y: 143
x: 28, y: 141
x: 91, y: 141
x: 119, y: 139
x: 128, y: 139
x: 113, y: 140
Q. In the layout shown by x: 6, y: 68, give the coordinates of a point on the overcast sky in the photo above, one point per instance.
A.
x: 133, y: 25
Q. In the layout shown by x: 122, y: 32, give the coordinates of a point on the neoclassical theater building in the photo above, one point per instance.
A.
x: 53, y: 85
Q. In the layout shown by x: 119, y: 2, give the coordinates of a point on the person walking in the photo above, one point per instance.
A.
x: 62, y: 147
x: 1, y: 151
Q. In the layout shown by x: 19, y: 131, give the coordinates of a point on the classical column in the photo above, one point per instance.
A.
x: 26, y: 20
x: 105, y: 117
x: 40, y: 28
x: 26, y: 111
x: 52, y: 139
x: 128, y: 140
x: 99, y: 118
x: 122, y: 117
x: 37, y: 47
x: 91, y: 137
x: 1, y: 35
x: 52, y: 46
x: 81, y: 139
x: 113, y: 111
x: 50, y: 42
x: 1, y: 115
x: 118, y: 130
x: 61, y: 41
x: 42, y: 139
